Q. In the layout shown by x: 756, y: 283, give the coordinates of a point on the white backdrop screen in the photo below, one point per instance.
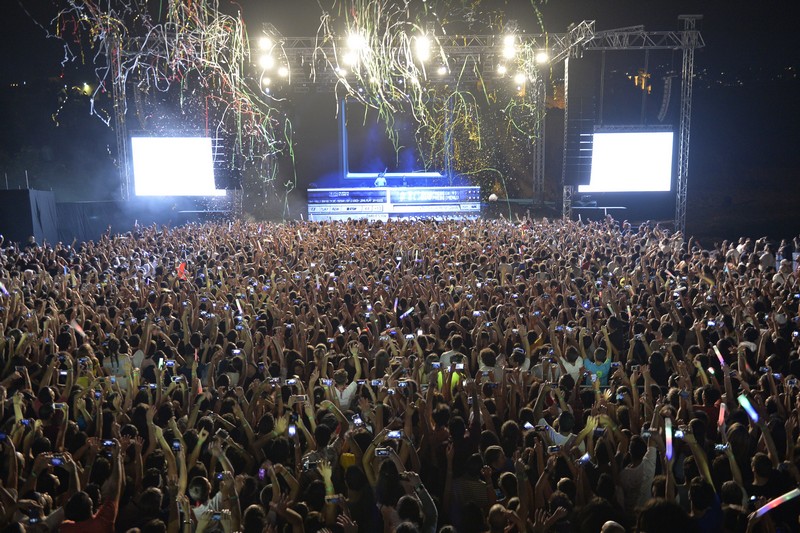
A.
x: 173, y: 166
x: 631, y: 162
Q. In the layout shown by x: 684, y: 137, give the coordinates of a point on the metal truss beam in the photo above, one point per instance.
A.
x: 636, y: 38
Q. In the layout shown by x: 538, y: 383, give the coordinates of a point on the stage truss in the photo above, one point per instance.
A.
x: 308, y: 56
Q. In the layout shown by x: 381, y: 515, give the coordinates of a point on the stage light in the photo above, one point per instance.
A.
x: 442, y: 70
x: 266, y: 61
x: 349, y: 58
x: 502, y: 70
x: 422, y: 47
x: 509, y: 46
x: 542, y: 58
x: 341, y: 72
x: 519, y: 78
x: 265, y: 43
x: 283, y: 72
x: 356, y: 41
x: 266, y: 82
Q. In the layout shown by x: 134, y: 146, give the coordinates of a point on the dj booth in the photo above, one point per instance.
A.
x: 384, y: 203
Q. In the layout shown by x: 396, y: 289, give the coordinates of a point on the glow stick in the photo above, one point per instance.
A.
x: 410, y: 310
x: 74, y: 325
x: 719, y: 356
x: 721, y: 419
x: 3, y: 289
x: 299, y: 236
x: 239, y: 307
x: 744, y: 401
x: 668, y: 432
x: 792, y: 494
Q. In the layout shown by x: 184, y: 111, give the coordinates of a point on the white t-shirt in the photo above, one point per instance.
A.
x: 573, y: 369
x: 345, y: 396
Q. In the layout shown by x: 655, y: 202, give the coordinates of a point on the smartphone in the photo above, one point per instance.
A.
x: 402, y: 384
x: 291, y: 381
x: 381, y: 452
x: 398, y: 434
x: 679, y: 434
x: 459, y: 366
x: 436, y: 365
x: 646, y: 434
x: 169, y: 362
x: 262, y: 474
x: 410, y: 337
x: 108, y: 443
x: 615, y: 364
x: 301, y: 398
x: 528, y: 426
x: 357, y: 421
x: 721, y: 447
x: 219, y: 476
x: 377, y: 383
x: 361, y: 381
x: 113, y: 380
x: 98, y: 394
x: 292, y: 430
x: 56, y: 461
x: 326, y: 382
x: 62, y: 377
x: 712, y: 323
x: 332, y: 499
x: 176, y: 445
x: 593, y: 377
x: 553, y: 449
x: 584, y: 458
x: 216, y: 516
x: 177, y: 379
x: 59, y: 405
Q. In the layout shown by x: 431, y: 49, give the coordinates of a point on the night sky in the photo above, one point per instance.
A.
x: 744, y: 157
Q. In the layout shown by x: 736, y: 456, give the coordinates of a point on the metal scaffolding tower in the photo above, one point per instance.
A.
x: 636, y: 38
x: 120, y: 108
x: 539, y: 99
x: 691, y: 41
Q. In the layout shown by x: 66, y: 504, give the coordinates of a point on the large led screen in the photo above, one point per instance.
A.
x: 173, y: 166
x: 631, y: 162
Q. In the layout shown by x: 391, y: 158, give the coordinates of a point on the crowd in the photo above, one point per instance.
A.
x: 461, y: 376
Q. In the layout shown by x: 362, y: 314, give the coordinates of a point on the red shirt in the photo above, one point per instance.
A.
x: 102, y: 522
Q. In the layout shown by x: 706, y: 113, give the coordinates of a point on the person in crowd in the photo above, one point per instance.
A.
x: 421, y: 376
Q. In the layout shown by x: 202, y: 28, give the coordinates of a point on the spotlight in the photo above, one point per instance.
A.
x: 542, y: 58
x: 266, y: 61
x: 502, y: 70
x: 283, y: 72
x: 509, y: 46
x: 341, y: 72
x: 519, y: 78
x: 349, y: 58
x: 422, y: 47
x: 266, y: 82
x: 356, y: 41
x: 265, y: 43
x: 442, y: 70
